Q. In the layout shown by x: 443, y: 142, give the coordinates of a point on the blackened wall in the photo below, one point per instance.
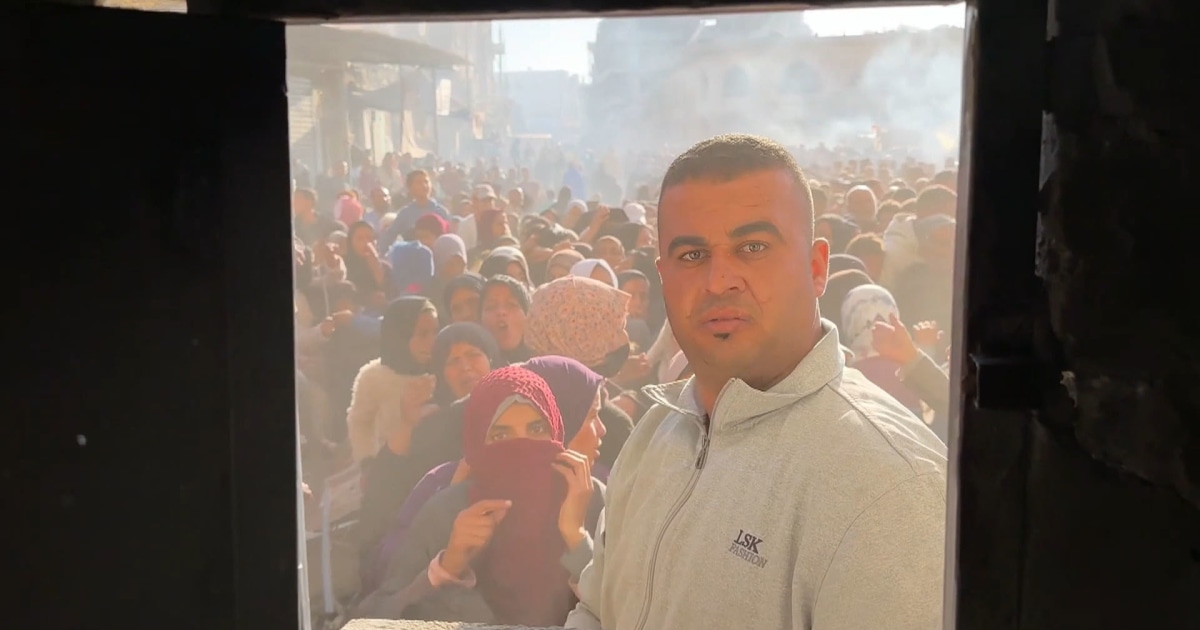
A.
x: 1113, y: 494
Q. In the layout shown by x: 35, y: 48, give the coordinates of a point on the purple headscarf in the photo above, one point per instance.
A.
x: 574, y: 386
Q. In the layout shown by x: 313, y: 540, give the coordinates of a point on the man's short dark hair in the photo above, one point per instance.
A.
x: 865, y: 245
x: 730, y: 156
x: 933, y: 198
x: 413, y: 175
x: 307, y: 193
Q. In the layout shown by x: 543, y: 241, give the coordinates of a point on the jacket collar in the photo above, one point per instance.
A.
x: 739, y: 402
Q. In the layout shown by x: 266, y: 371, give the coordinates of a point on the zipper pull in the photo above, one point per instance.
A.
x: 703, y: 453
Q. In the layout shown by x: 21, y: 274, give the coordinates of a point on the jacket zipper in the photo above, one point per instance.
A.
x: 675, y: 509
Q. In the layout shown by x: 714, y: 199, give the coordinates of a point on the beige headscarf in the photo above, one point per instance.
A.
x: 579, y: 318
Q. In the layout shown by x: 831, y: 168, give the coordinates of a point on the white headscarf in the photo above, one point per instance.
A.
x: 636, y: 213
x: 863, y: 307
x: 584, y: 269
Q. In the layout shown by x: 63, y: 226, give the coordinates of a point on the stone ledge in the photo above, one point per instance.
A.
x: 387, y: 624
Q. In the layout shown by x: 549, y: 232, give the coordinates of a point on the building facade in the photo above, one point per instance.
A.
x: 769, y: 74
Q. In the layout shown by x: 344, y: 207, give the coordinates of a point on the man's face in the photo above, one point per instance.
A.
x: 484, y: 202
x: 419, y: 187
x: 516, y: 199
x: 301, y: 205
x: 381, y: 199
x: 341, y: 169
x: 741, y: 273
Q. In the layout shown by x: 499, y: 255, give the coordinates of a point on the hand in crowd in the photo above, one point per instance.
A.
x: 892, y: 340
x: 602, y: 212
x: 926, y: 334
x: 341, y: 318
x: 327, y: 327
x: 473, y: 530
x: 636, y: 368
x: 577, y: 471
x: 461, y: 472
x: 418, y: 392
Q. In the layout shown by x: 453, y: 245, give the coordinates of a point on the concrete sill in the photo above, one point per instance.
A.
x: 383, y: 624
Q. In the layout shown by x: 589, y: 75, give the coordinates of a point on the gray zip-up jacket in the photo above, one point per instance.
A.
x: 819, y: 504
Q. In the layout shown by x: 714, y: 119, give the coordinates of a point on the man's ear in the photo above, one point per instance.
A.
x: 820, y: 266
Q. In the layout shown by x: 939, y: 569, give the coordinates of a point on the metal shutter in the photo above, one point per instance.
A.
x: 302, y: 123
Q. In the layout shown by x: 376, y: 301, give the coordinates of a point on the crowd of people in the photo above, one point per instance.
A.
x: 481, y: 346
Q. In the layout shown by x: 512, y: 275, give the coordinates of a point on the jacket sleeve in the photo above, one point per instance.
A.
x: 888, y: 571
x: 928, y: 382
x: 586, y: 615
x: 360, y: 417
x: 407, y: 592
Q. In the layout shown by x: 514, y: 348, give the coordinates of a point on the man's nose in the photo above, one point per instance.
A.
x: 725, y: 273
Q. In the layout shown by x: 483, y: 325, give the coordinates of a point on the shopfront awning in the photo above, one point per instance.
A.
x: 328, y: 45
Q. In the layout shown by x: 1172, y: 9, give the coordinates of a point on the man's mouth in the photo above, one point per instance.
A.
x: 724, y: 322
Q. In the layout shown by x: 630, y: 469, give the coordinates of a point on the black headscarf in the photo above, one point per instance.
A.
x: 497, y: 264
x: 467, y: 280
x: 628, y: 234
x: 836, y: 288
x: 842, y: 230
x: 454, y: 334
x: 399, y: 322
x: 357, y: 269
x: 524, y: 298
x: 842, y: 262
x: 518, y: 289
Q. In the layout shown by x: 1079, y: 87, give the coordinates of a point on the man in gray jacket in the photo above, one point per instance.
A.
x: 775, y: 488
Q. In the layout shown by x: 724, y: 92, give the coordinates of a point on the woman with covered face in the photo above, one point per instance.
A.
x: 578, y: 391
x: 462, y: 355
x: 508, y: 544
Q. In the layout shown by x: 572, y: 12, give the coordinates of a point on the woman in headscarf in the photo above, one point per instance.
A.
x: 462, y: 355
x: 636, y: 213
x: 364, y: 268
x: 836, y: 229
x: 506, y: 261
x: 836, y: 288
x: 460, y: 298
x: 583, y: 319
x: 862, y: 308
x: 507, y: 546
x: 349, y: 211
x: 428, y: 228
x: 595, y: 269
x: 576, y: 208
x: 412, y: 267
x: 656, y: 312
x: 449, y: 261
x: 580, y: 396
x: 842, y: 262
x: 633, y: 235
x: 560, y: 264
x: 503, y: 307
x: 637, y: 285
x: 389, y: 392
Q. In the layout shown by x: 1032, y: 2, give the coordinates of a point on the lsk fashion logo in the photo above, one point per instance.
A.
x: 747, y: 547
